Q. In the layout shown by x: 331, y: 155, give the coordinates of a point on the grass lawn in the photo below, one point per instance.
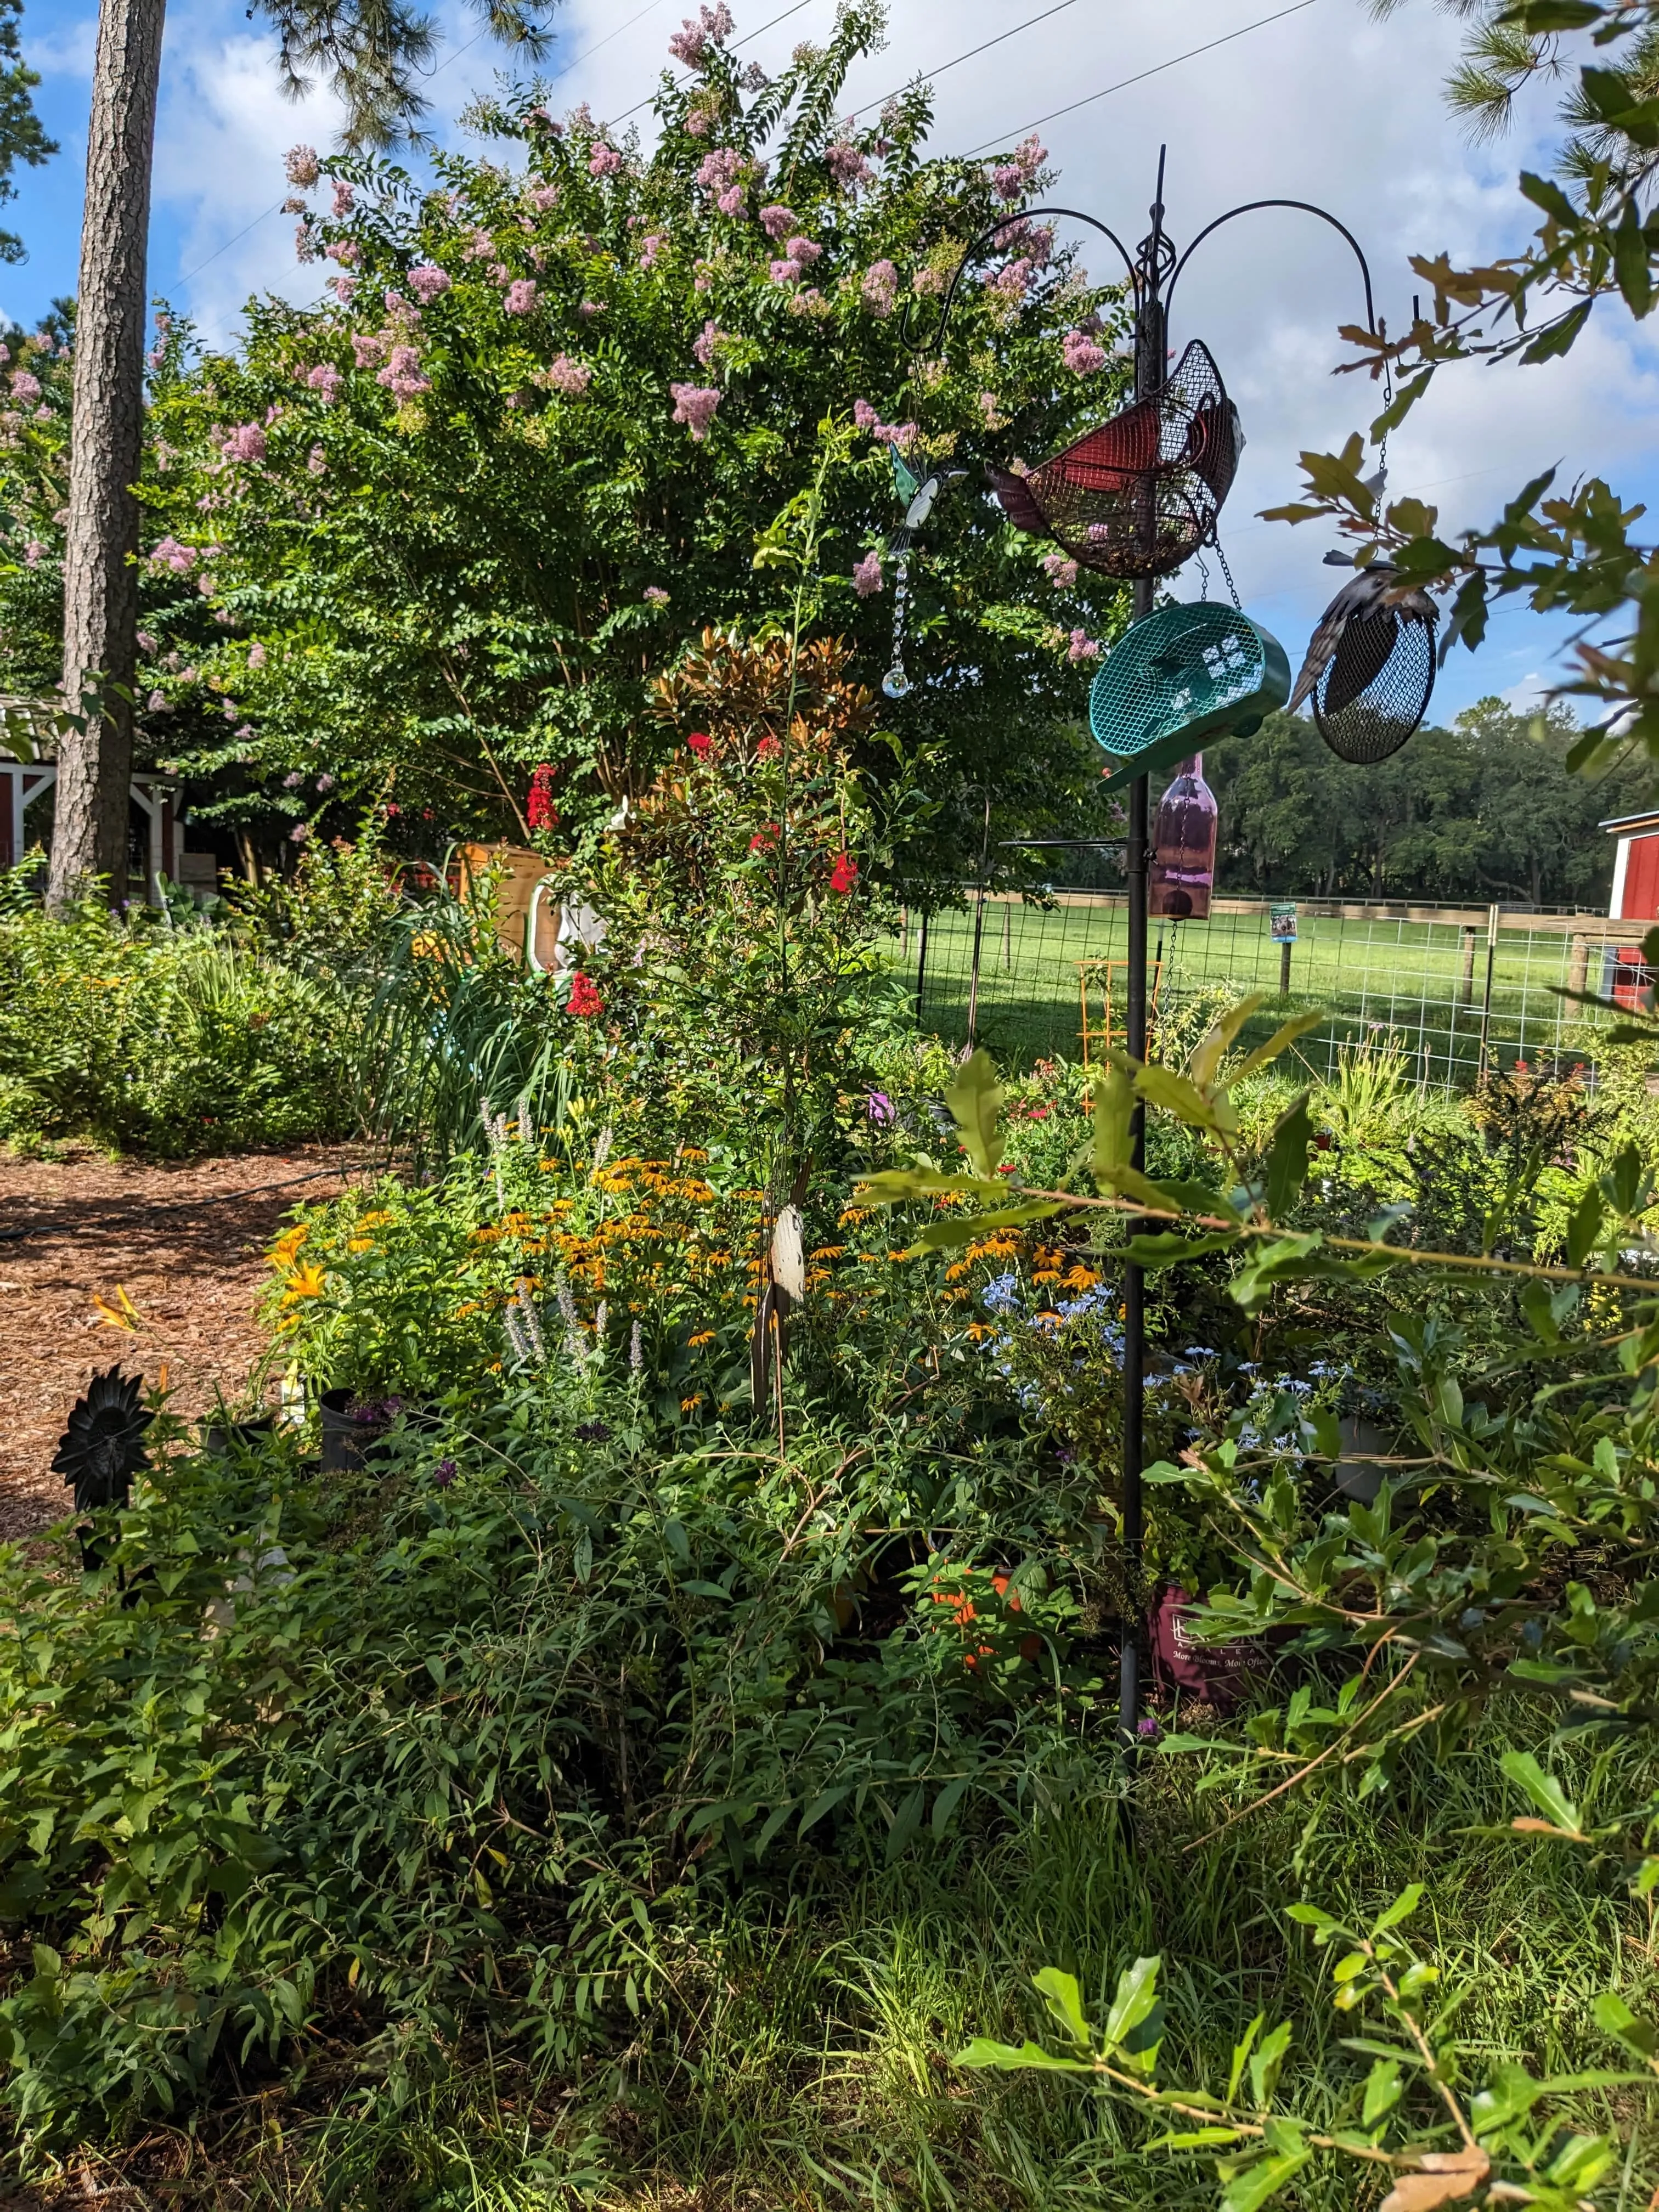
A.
x: 1417, y: 979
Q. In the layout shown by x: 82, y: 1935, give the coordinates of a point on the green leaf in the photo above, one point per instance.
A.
x: 1161, y: 1086
x: 906, y: 1822
x: 1523, y: 1770
x: 1265, y: 2063
x: 1009, y: 2058
x: 1381, y: 2091
x: 1545, y: 193
x: 1511, y: 2091
x: 1169, y: 1247
x: 1113, y: 1110
x: 892, y: 1185
x: 1194, y: 2139
x: 976, y: 1102
x: 1134, y: 2002
x: 1287, y: 1158
x: 1585, y: 1227
x: 1257, y: 2183
x: 941, y: 1236
x: 1060, y: 1992
x: 1242, y: 2051
x: 1630, y: 264
x: 1402, y: 1908
x: 1207, y: 1055
x: 1615, y: 2017
x: 1282, y: 1038
x: 1558, y: 338
x: 1540, y: 18
x: 946, y: 1803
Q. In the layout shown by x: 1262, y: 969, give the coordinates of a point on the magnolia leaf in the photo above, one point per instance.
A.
x: 1545, y: 1791
x: 976, y: 1102
x: 892, y: 1185
x: 1257, y: 2183
x: 1169, y: 1247
x: 1114, y: 1111
x: 1207, y: 1055
x: 1446, y: 2176
x: 1135, y: 2001
x: 1161, y: 1086
x: 1287, y: 1158
x: 1282, y: 1038
x: 1194, y: 2139
x: 1060, y: 1992
x: 1008, y: 2058
x: 941, y: 1236
x: 1615, y: 2017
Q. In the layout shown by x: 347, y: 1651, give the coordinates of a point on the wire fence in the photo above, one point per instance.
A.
x: 1452, y: 986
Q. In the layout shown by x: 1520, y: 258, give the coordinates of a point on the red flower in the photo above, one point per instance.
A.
x: 764, y: 840
x: 701, y: 743
x: 844, y: 874
x: 539, y: 810
x: 769, y: 748
x: 584, y: 997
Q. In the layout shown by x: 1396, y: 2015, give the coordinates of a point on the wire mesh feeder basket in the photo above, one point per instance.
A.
x: 1139, y: 496
x: 1178, y: 676
x: 1369, y: 671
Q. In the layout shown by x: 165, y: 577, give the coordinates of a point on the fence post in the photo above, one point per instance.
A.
x: 904, y: 932
x: 1469, y: 964
x: 973, y: 973
x: 921, y: 963
x: 1485, y: 1004
x: 1007, y: 934
x: 1578, y: 963
x: 1285, y: 969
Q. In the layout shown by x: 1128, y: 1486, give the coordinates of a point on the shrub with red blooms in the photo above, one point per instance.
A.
x: 844, y: 874
x: 539, y: 810
x: 584, y: 998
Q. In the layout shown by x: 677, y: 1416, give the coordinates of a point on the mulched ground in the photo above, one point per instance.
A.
x: 191, y: 1271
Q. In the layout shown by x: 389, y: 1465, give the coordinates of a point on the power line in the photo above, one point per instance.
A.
x: 1157, y: 68
x: 735, y: 43
x: 926, y: 77
x: 575, y: 63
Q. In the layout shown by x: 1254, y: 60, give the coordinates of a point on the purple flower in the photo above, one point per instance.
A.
x: 170, y: 554
x: 325, y: 782
x: 1008, y: 180
x: 730, y: 201
x: 604, y: 160
x: 366, y: 347
x: 1147, y: 1730
x: 589, y: 308
x: 655, y: 596
x: 1083, y: 356
x: 880, y: 1108
x: 345, y: 251
x: 299, y: 834
x: 592, y: 1432
x: 567, y: 376
x: 694, y: 406
x: 864, y: 415
x: 325, y: 381
x: 520, y: 296
x: 402, y: 374
x: 444, y: 1474
x: 784, y: 272
x: 427, y: 280
x: 879, y: 290
x: 317, y: 461
x: 866, y: 575
x: 803, y: 250
x: 777, y: 221
x: 703, y: 346
x: 846, y: 165
x: 302, y: 166
x: 32, y: 553
x: 344, y: 289
x: 25, y: 388
x: 292, y: 779
x: 157, y: 703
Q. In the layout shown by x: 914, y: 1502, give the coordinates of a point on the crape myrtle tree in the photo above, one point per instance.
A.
x: 553, y: 417
x: 371, y: 52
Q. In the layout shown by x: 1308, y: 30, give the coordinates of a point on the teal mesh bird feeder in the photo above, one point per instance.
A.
x: 1181, y: 676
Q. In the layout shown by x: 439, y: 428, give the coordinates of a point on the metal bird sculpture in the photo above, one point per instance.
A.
x: 1357, y: 634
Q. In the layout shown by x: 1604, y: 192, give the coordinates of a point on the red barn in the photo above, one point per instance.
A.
x: 1635, y: 899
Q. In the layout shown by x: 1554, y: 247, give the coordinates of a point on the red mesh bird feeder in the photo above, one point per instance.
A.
x: 1139, y: 496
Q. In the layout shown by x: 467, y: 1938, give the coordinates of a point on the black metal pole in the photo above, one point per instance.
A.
x: 921, y: 964
x: 1152, y: 366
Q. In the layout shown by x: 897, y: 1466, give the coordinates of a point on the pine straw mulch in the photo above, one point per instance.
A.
x: 191, y: 1271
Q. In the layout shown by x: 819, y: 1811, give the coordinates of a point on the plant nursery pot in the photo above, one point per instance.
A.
x: 1214, y: 1672
x: 220, y: 1436
x: 1358, y: 1474
x: 351, y: 1427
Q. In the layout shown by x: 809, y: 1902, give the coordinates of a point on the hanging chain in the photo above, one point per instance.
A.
x: 1203, y: 578
x: 1232, y: 588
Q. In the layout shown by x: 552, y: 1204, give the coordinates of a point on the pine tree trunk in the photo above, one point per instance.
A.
x: 100, y: 585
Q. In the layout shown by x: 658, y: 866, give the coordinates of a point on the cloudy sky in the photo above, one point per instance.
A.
x: 1312, y: 101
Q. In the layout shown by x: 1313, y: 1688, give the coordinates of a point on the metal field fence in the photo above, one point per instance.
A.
x: 1451, y: 986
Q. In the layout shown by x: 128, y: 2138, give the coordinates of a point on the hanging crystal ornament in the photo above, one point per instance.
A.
x: 895, y: 683
x: 916, y: 496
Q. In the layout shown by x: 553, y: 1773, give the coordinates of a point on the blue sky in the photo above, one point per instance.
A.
x: 1320, y: 103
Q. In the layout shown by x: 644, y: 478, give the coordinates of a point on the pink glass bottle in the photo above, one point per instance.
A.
x: 1182, y: 872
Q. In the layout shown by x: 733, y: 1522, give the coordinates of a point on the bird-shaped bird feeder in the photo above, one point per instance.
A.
x: 1140, y: 495
x: 1370, y: 669
x: 1183, y: 674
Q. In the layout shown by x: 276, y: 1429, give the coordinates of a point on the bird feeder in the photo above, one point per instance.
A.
x: 1182, y: 872
x: 1140, y: 495
x: 1183, y: 674
x: 1369, y: 671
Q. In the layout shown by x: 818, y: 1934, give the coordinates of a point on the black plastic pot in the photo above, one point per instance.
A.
x: 220, y: 1436
x: 352, y: 1426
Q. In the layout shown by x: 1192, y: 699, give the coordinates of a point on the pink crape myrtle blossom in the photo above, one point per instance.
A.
x: 317, y: 461
x: 694, y: 406
x: 299, y: 834
x: 292, y: 779
x: 866, y: 575
x: 1082, y: 355
x: 499, y: 273
x: 25, y: 388
x: 368, y: 348
x: 691, y: 42
x: 879, y: 290
x: 650, y: 246
x: 846, y: 165
x: 544, y: 198
x: 604, y: 160
x: 784, y: 272
x: 655, y: 596
x: 731, y: 201
x: 344, y: 198
x: 1012, y: 282
x: 345, y: 251
x: 698, y: 121
x: 326, y: 782
x: 170, y: 554
x: 325, y: 381
x: 32, y: 553
x: 427, y: 280
x: 901, y: 434
x: 809, y: 300
x: 302, y: 166
x: 480, y: 247
x: 777, y: 221
x: 157, y: 703
x: 865, y: 416
x: 402, y: 374
x: 589, y: 308
x: 344, y: 289
x: 520, y: 296
x: 567, y: 376
x: 146, y: 642
x: 244, y: 443
x: 806, y: 251
x: 987, y: 408
x: 1008, y: 180
x: 1083, y: 646
x: 255, y: 654
x: 708, y: 343
x: 1061, y: 572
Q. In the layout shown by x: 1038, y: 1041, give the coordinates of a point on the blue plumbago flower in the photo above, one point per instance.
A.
x: 1001, y: 1294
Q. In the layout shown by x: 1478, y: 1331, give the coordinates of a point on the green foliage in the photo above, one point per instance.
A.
x: 22, y: 138
x: 172, y: 1041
